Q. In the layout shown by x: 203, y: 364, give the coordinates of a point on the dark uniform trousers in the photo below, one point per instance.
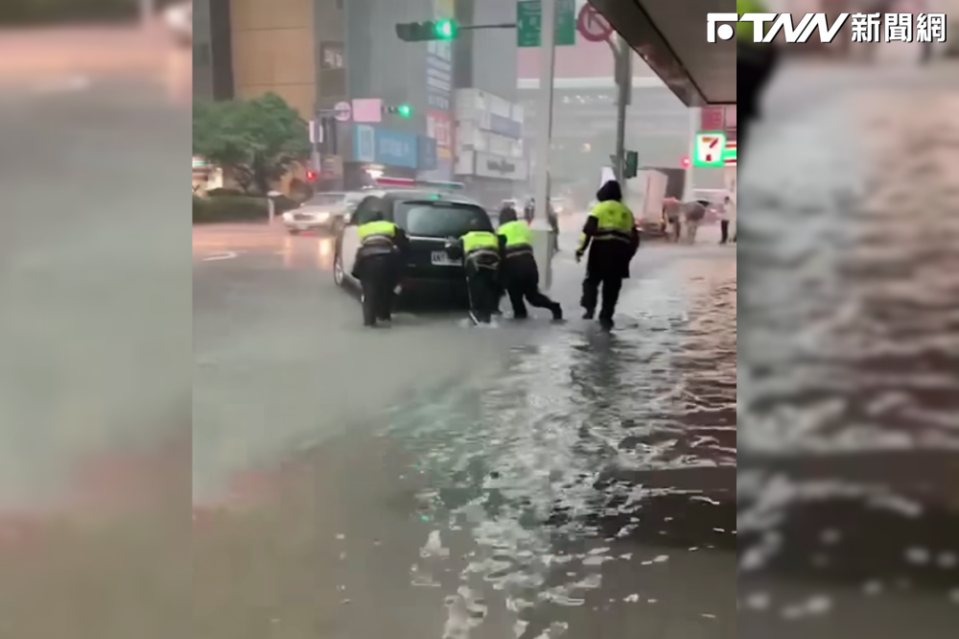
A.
x: 611, y: 286
x: 482, y: 280
x: 521, y: 279
x: 377, y: 275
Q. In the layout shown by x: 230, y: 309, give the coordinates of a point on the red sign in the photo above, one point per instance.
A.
x: 439, y: 126
x: 592, y: 25
x: 712, y: 119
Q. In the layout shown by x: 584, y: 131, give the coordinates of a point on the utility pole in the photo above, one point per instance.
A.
x: 542, y: 232
x: 624, y: 90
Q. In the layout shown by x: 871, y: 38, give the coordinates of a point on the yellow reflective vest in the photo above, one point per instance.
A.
x: 614, y: 223
x: 519, y: 239
x: 480, y: 243
x: 378, y: 233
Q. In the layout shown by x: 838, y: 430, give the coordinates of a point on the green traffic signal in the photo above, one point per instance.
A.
x: 427, y: 31
x: 444, y: 29
x: 631, y: 167
x: 402, y: 110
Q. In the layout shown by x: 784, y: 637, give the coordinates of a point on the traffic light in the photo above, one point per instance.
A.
x: 427, y: 31
x: 402, y: 110
x: 311, y: 176
x: 632, y: 164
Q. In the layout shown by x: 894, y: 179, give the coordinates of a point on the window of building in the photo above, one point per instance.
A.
x: 331, y: 55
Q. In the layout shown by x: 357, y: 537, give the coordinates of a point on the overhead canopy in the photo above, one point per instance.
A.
x: 671, y: 37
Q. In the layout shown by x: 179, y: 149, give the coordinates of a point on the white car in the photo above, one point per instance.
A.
x: 324, y: 212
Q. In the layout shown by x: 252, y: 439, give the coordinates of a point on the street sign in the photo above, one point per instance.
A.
x: 367, y: 110
x: 342, y: 111
x: 592, y: 25
x: 529, y: 23
x: 710, y: 148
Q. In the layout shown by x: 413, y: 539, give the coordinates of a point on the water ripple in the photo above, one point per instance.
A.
x: 555, y: 452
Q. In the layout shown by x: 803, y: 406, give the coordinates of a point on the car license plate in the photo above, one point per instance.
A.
x: 440, y: 258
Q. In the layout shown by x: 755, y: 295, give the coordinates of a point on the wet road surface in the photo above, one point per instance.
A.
x: 849, y: 365
x: 433, y: 480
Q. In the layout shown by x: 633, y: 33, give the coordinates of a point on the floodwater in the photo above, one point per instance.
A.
x: 559, y: 481
x: 850, y: 364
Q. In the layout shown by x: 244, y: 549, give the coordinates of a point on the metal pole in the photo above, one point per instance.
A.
x: 624, y: 82
x: 542, y: 248
x: 694, y: 118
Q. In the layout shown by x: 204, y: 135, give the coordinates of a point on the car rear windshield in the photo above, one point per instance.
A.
x: 441, y: 219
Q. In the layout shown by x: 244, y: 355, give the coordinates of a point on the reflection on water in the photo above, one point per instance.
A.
x: 584, y: 444
x: 308, y: 252
x: 853, y: 354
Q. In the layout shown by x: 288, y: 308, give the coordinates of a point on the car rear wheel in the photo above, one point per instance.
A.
x: 339, y: 276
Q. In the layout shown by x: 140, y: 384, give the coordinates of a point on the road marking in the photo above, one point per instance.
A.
x: 228, y: 255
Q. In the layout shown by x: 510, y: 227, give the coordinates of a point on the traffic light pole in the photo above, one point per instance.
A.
x: 624, y: 82
x: 542, y: 231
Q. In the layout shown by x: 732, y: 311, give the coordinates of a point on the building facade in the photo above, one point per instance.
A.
x: 317, y: 54
x: 490, y: 156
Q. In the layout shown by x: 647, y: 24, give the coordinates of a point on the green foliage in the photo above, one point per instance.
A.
x: 225, y: 205
x: 229, y: 208
x: 256, y: 141
x: 38, y: 12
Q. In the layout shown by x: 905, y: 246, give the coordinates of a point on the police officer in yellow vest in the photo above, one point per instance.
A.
x: 611, y: 237
x: 518, y: 270
x: 755, y: 64
x: 480, y: 252
x: 379, y: 260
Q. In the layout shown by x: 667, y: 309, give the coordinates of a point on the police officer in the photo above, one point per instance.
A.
x: 755, y: 64
x: 612, y: 239
x: 480, y: 252
x: 379, y: 259
x: 518, y: 271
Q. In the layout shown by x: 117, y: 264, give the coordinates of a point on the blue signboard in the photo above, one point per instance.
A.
x: 427, y: 153
x: 376, y: 145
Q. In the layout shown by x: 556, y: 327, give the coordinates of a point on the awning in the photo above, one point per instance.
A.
x: 671, y: 37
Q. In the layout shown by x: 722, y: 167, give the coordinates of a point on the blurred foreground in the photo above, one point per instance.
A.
x: 95, y: 377
x: 848, y: 518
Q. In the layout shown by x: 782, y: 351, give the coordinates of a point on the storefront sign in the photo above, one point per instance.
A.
x: 495, y: 166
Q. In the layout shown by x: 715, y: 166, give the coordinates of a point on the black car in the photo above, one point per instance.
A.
x: 429, y: 218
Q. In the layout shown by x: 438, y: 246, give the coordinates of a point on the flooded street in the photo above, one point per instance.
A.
x: 850, y: 361
x: 437, y: 481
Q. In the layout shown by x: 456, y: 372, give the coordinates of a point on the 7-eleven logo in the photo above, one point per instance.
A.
x: 729, y: 157
x: 710, y: 148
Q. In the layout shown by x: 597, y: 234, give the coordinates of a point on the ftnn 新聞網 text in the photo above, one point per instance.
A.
x: 864, y: 27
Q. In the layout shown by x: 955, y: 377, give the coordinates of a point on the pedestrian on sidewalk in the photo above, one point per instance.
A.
x: 725, y: 216
x: 695, y: 213
x: 518, y: 270
x: 377, y: 265
x: 672, y: 211
x: 611, y: 237
x: 480, y: 253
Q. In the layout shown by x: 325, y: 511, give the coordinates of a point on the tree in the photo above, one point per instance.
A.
x: 255, y: 140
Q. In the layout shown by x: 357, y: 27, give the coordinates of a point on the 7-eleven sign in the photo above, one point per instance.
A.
x: 710, y: 147
x: 729, y: 157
